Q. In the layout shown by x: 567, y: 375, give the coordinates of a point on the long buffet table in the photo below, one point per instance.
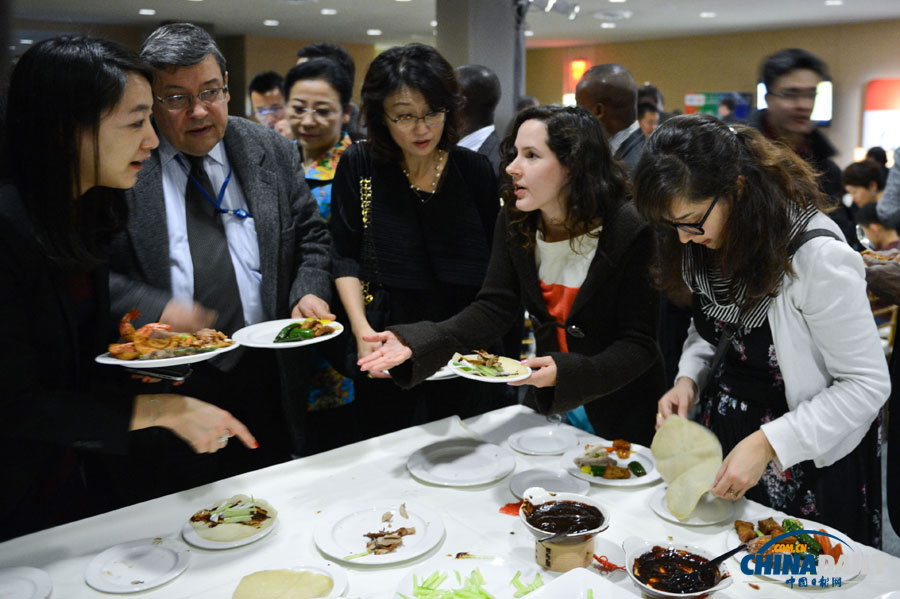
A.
x: 307, y: 490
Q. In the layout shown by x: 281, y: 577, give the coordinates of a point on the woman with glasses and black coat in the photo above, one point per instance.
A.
x: 795, y: 397
x: 424, y: 251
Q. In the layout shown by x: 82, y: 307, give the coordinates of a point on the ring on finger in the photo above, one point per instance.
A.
x: 733, y: 493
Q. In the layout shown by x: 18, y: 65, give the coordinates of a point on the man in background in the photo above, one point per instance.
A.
x: 267, y: 99
x: 608, y: 91
x: 648, y: 117
x: 726, y: 110
x: 480, y: 89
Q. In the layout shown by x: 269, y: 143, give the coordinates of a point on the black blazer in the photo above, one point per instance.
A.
x: 613, y: 367
x: 54, y: 395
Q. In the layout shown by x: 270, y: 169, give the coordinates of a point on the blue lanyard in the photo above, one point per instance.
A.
x: 217, y: 203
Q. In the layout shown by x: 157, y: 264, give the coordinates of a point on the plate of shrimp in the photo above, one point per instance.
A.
x: 155, y: 345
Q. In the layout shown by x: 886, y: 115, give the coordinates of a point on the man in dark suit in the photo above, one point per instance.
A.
x: 480, y: 89
x: 222, y: 232
x: 609, y: 92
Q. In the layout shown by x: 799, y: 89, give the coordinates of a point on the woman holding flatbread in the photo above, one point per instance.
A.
x: 77, y: 129
x: 570, y: 246
x: 801, y: 376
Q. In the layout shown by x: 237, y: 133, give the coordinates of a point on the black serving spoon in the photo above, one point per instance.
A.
x: 685, y: 580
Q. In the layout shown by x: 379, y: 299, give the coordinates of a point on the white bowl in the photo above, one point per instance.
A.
x: 538, y: 495
x: 635, y: 547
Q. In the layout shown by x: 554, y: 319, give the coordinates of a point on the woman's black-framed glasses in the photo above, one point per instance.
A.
x: 696, y: 228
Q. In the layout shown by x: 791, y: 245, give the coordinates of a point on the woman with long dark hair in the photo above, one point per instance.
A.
x: 570, y: 246
x: 775, y: 286
x: 77, y: 129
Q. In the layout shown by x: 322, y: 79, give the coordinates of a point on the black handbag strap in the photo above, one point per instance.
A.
x: 729, y: 330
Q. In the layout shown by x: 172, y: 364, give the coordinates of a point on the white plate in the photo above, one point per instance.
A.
x: 24, y: 583
x: 138, y: 565
x: 508, y: 363
x: 337, y: 575
x: 847, y: 568
x: 341, y: 533
x: 497, y: 574
x: 190, y: 535
x: 262, y: 334
x: 557, y: 481
x: 639, y: 453
x: 709, y: 510
x: 443, y: 373
x: 576, y: 583
x: 107, y: 359
x: 543, y: 440
x: 461, y: 463
x: 635, y: 547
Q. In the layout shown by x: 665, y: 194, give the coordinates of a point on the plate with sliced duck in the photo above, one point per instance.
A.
x: 288, y: 332
x: 617, y: 463
x: 156, y: 345
x: 488, y: 368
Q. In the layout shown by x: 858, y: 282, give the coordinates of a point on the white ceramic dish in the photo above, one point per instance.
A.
x: 581, y: 583
x: 558, y: 481
x: 497, y: 574
x: 262, y: 334
x: 509, y: 365
x: 538, y: 496
x: 461, y: 462
x: 639, y: 454
x: 337, y: 575
x: 847, y: 568
x: 635, y: 547
x: 710, y: 510
x: 24, y: 583
x: 137, y: 565
x: 190, y: 536
x: 543, y: 440
x: 107, y: 359
x: 341, y: 534
x: 442, y: 374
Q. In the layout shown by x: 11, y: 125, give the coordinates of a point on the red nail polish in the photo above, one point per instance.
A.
x: 255, y: 444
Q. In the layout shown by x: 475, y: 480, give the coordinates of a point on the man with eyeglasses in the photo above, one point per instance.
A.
x: 222, y: 232
x: 267, y: 99
x: 791, y: 77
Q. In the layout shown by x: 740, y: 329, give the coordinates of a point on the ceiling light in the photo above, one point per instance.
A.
x: 834, y: 2
x: 147, y: 12
x: 195, y: 0
x: 26, y: 42
x: 373, y: 31
x: 433, y: 23
x: 549, y: 6
x: 574, y: 12
x: 270, y: 23
x: 328, y: 11
x: 529, y: 33
x: 707, y: 15
x: 608, y: 25
x: 617, y: 1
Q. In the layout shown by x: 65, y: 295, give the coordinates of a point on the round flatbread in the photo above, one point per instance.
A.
x: 688, y: 456
x: 227, y: 532
x: 283, y: 584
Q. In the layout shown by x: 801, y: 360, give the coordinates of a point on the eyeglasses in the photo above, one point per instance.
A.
x: 321, y: 114
x: 185, y: 101
x: 408, y: 121
x: 695, y: 228
x: 795, y: 96
x: 267, y: 110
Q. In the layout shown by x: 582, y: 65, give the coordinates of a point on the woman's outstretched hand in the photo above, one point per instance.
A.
x: 391, y: 353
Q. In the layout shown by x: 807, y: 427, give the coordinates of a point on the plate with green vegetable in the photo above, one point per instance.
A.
x: 287, y: 333
x: 449, y: 578
x: 488, y: 368
x: 605, y: 463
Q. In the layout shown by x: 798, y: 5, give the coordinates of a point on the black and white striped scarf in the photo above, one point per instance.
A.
x: 704, y: 278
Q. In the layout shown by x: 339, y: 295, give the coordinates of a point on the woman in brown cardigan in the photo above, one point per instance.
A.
x: 570, y: 246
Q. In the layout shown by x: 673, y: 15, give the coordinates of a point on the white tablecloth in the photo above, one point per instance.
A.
x: 306, y: 490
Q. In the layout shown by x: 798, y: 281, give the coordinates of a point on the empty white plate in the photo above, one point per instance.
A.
x: 24, y: 583
x: 556, y: 481
x: 543, y: 440
x: 709, y: 510
x: 461, y: 463
x: 138, y: 565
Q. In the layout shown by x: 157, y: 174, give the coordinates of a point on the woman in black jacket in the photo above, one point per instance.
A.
x: 571, y: 247
x: 77, y: 130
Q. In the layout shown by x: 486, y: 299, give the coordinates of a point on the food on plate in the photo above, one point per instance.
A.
x: 233, y: 519
x: 482, y: 363
x: 597, y: 461
x: 661, y: 568
x: 605, y: 565
x: 765, y: 530
x: 688, y: 456
x: 283, y: 584
x: 875, y: 255
x: 156, y: 340
x: 386, y: 541
x: 566, y: 516
x: 309, y: 328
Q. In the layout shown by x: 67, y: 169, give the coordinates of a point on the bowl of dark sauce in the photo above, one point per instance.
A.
x: 568, y: 517
x: 653, y: 567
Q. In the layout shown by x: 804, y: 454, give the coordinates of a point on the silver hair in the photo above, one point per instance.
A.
x: 180, y: 45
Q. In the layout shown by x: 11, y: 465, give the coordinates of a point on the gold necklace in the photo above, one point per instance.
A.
x: 434, y: 181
